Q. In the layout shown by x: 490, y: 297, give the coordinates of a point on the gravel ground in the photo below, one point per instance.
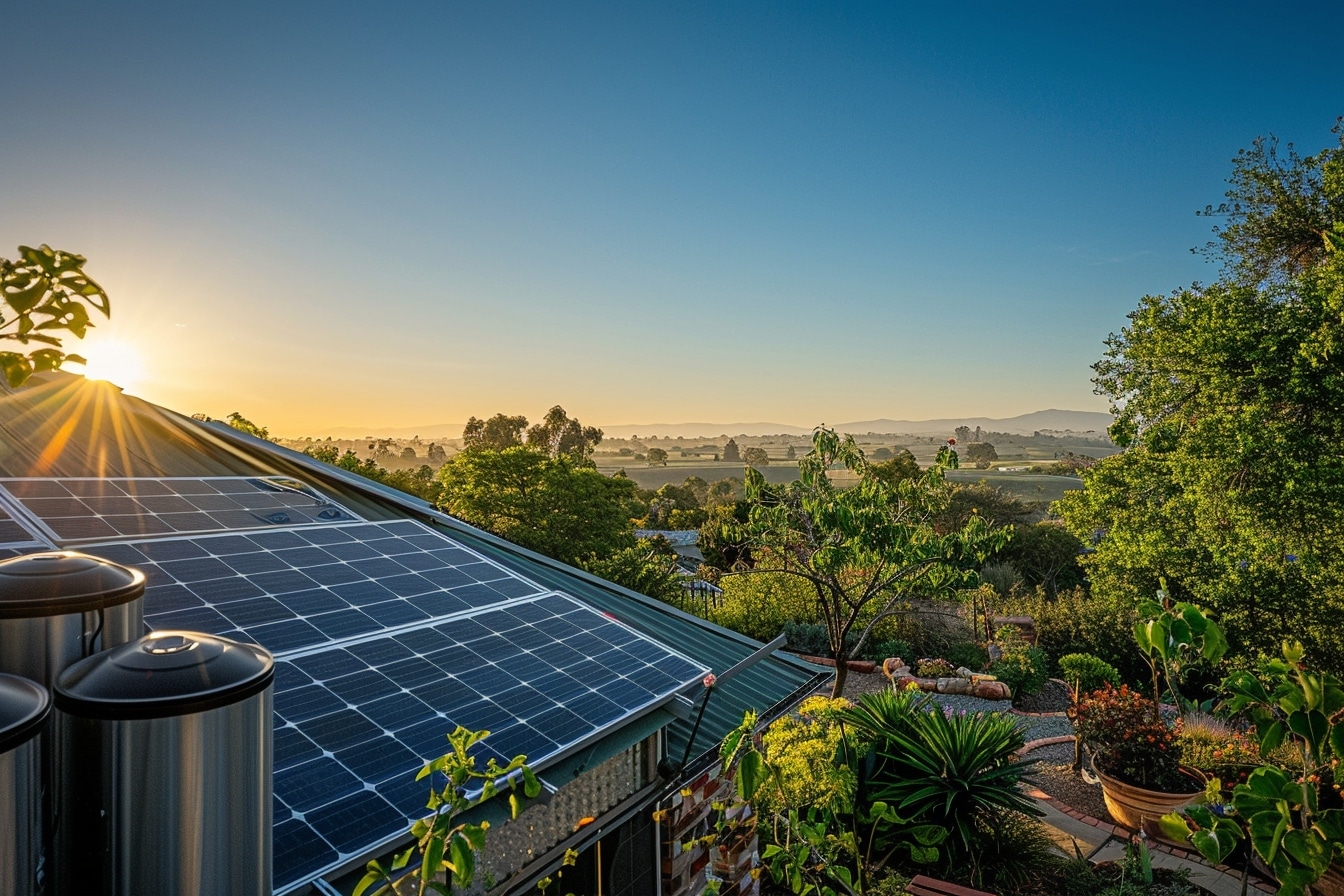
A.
x: 1052, y: 770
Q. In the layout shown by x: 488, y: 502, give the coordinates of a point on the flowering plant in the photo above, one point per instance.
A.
x: 1129, y: 740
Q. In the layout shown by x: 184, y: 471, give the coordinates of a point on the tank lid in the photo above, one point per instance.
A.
x: 24, y: 706
x: 165, y: 673
x: 54, y: 583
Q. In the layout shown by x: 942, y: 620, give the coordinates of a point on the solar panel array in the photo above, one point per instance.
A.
x: 386, y: 637
x: 16, y: 537
x: 80, y: 510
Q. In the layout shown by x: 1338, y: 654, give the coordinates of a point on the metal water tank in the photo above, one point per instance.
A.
x: 61, y: 606
x: 163, y: 751
x: 24, y: 707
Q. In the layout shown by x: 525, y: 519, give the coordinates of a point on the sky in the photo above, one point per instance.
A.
x: 330, y: 214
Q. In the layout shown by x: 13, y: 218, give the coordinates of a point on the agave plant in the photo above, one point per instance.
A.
x: 939, y: 767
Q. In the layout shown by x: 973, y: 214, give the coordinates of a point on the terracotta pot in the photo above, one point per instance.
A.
x: 1139, y: 809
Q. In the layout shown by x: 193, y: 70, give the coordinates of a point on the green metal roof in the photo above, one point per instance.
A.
x: 64, y: 425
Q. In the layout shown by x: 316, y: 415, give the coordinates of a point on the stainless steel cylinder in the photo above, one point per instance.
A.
x: 61, y: 606
x: 164, y: 758
x: 24, y: 707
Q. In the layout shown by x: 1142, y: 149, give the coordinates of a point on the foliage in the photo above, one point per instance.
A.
x: 557, y: 506
x: 990, y: 503
x: 755, y: 456
x: 1086, y: 673
x: 649, y: 567
x: 864, y: 549
x: 1013, y: 854
x: 420, y: 481
x: 242, y: 424
x: 1130, y: 741
x: 731, y: 453
x: 1293, y: 821
x: 807, y: 638
x: 802, y: 748
x: 1133, y: 875
x: 1231, y: 484
x: 443, y: 856
x: 1021, y: 666
x: 499, y: 432
x: 877, y: 651
x: 46, y: 295
x: 965, y: 653
x: 1045, y: 554
x: 934, y: 668
x: 1077, y: 621
x: 1174, y: 636
x: 1000, y: 575
x: 762, y: 606
x: 559, y: 434
x: 656, y: 456
x: 1215, y: 748
x: 1280, y: 210
x: 899, y: 467
x: 982, y: 454
x: 940, y: 767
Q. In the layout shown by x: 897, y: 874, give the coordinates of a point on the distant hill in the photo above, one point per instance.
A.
x: 1026, y: 424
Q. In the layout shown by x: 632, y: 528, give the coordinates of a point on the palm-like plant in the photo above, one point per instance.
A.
x: 938, y: 767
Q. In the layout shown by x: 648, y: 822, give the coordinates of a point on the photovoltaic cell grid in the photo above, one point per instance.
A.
x: 387, y: 636
x: 79, y: 510
x: 303, y: 588
x: 16, y: 538
x: 355, y: 723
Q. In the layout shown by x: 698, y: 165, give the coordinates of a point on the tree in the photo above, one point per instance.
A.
x: 899, y: 466
x: 1281, y: 211
x: 1046, y: 554
x: 790, y: 453
x: 242, y: 424
x: 731, y: 453
x: 499, y: 432
x: 558, y: 434
x: 657, y: 456
x: 435, y: 453
x: 982, y: 454
x: 46, y: 295
x: 557, y: 506
x: 963, y: 433
x: 1227, y: 402
x: 864, y: 549
x: 408, y: 453
x: 756, y: 457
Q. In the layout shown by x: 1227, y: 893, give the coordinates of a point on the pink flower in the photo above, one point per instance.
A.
x: 708, y: 680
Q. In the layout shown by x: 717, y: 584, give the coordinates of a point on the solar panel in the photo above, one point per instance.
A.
x: 296, y: 589
x: 16, y: 537
x: 386, y: 637
x: 355, y: 722
x: 81, y: 510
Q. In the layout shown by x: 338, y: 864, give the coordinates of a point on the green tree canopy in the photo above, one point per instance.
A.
x: 862, y: 549
x: 557, y: 506
x: 755, y: 456
x: 559, y: 434
x: 1228, y: 403
x: 499, y: 432
x: 44, y: 296
x: 982, y: 454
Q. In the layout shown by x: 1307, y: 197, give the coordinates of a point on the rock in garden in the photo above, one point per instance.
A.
x: 954, y: 685
x: 992, y: 690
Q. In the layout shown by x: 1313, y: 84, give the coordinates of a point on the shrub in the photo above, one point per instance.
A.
x: 1000, y: 575
x: 1085, y: 673
x: 802, y: 747
x: 1078, y: 622
x: 1022, y: 667
x: 807, y: 638
x: 1130, y: 740
x: 1216, y: 748
x: 934, y: 668
x: 877, y: 651
x: 967, y: 654
x: 948, y: 769
x: 759, y: 605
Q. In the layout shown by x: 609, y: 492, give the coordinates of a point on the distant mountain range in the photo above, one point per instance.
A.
x: 1025, y: 424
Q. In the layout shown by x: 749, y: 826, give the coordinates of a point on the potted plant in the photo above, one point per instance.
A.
x: 1291, y: 813
x: 1136, y: 756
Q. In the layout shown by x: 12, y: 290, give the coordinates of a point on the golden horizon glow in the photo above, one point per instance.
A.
x: 114, y: 361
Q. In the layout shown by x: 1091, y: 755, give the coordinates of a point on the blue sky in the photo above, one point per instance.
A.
x: 336, y: 214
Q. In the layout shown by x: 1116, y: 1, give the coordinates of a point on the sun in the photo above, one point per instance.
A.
x: 114, y: 361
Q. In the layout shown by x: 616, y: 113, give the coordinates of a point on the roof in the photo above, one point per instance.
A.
x: 62, y: 427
